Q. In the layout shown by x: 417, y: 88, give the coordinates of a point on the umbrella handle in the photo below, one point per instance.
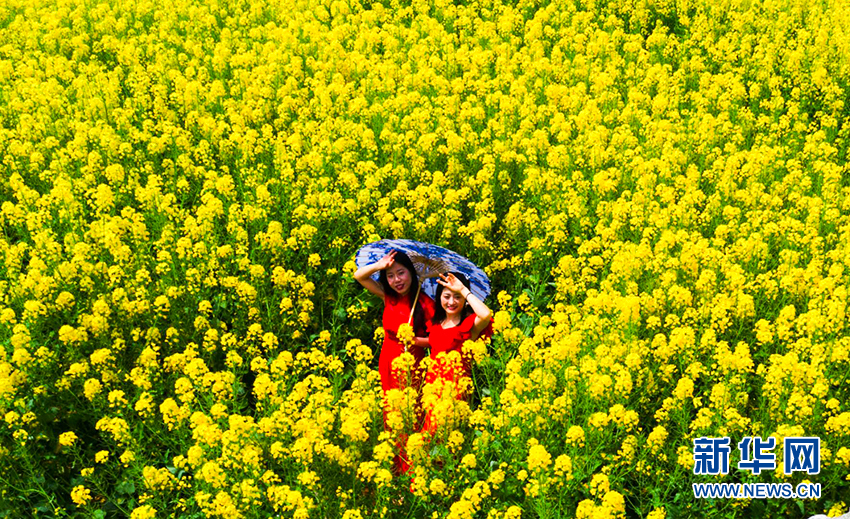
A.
x: 410, y: 319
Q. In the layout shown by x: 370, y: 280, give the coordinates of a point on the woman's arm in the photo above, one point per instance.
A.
x: 482, y: 313
x: 364, y: 274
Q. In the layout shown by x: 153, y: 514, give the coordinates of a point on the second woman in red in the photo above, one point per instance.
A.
x: 459, y: 316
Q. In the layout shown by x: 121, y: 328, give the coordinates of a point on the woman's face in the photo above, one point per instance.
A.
x: 452, y: 302
x: 399, y: 278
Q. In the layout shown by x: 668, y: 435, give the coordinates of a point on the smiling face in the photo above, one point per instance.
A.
x: 399, y: 278
x: 452, y: 302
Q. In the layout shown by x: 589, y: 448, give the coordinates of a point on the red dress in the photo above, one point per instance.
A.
x: 445, y: 375
x: 397, y: 312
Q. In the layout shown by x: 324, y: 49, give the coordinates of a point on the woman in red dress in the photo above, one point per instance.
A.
x: 398, y: 285
x: 460, y: 316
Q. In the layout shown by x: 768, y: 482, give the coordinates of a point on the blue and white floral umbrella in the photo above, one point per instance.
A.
x: 430, y: 261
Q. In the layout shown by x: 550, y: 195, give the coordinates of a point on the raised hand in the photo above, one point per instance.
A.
x: 387, y: 261
x: 363, y: 275
x: 451, y: 282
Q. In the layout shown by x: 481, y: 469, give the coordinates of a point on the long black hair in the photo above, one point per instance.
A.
x: 440, y: 312
x: 418, y: 312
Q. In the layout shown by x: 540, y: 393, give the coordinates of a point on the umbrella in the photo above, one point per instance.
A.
x: 429, y: 261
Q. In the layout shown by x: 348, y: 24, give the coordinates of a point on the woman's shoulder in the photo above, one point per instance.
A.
x: 467, y: 324
x: 428, y: 305
x: 426, y: 300
x: 391, y: 299
x: 430, y: 326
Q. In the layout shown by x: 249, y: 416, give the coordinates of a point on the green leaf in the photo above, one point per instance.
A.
x: 126, y: 487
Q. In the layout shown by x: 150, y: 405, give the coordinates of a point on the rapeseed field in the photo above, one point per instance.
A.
x: 658, y: 190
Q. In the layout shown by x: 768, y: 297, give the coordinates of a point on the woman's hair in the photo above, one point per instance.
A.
x: 440, y: 312
x: 418, y: 312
